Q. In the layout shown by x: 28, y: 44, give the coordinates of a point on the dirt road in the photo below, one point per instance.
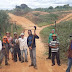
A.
x: 43, y: 64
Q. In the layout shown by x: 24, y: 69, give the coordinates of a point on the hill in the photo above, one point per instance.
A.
x: 42, y: 16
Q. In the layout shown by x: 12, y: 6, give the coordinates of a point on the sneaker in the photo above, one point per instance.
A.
x: 15, y: 60
x: 6, y: 64
x: 31, y: 65
x: 53, y: 64
x: 48, y: 58
x: 22, y: 61
x: 59, y: 65
x: 35, y: 67
x: 26, y: 61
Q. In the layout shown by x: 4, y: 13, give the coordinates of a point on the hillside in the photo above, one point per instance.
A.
x: 64, y: 30
x: 42, y: 16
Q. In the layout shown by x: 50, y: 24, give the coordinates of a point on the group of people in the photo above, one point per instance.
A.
x: 18, y: 46
x: 53, y: 44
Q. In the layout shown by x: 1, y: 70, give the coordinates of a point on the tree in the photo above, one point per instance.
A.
x: 50, y: 7
x: 66, y: 6
x: 23, y: 6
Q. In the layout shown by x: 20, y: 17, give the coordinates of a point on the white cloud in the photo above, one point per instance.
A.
x: 9, y: 4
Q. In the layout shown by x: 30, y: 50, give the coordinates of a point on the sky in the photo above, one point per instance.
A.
x: 10, y: 4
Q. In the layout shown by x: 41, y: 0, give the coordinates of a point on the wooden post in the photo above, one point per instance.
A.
x: 12, y: 30
x: 55, y: 26
x: 4, y: 30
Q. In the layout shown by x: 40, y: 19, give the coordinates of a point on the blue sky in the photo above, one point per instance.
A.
x: 10, y: 4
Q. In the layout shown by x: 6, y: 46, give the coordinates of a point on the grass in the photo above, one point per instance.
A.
x: 42, y: 20
x: 48, y: 18
x: 64, y: 29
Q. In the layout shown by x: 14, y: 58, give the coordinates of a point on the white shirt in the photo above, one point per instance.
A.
x: 23, y: 43
x: 0, y: 45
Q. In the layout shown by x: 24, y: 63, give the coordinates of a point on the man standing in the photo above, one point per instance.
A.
x: 23, y: 47
x: 32, y: 47
x: 16, y: 47
x: 10, y: 42
x: 5, y: 50
x: 54, y: 45
x: 0, y: 51
x: 69, y: 57
x: 49, y: 40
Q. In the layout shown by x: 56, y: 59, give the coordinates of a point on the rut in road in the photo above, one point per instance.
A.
x: 43, y: 64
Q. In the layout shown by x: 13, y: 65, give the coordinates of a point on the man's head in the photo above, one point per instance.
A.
x: 8, y: 34
x: 53, y: 31
x: 29, y: 32
x: 15, y: 34
x: 54, y: 36
x: 5, y: 38
x: 22, y: 35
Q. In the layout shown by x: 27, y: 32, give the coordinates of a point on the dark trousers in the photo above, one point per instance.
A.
x: 49, y: 52
x: 57, y: 57
x: 2, y: 55
x: 17, y: 51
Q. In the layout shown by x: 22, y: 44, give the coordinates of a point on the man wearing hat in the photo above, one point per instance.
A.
x: 54, y: 44
x: 16, y: 47
x: 50, y: 39
x: 23, y: 47
x: 5, y: 50
x: 10, y: 42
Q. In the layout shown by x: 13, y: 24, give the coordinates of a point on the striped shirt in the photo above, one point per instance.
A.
x: 53, y: 43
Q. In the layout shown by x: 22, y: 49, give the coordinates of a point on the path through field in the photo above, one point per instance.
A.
x: 42, y: 64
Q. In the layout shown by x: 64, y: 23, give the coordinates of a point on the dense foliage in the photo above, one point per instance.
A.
x: 64, y: 29
x: 5, y: 24
x: 58, y: 8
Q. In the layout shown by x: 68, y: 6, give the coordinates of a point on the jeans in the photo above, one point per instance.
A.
x: 33, y: 56
x: 69, y: 65
x: 25, y: 53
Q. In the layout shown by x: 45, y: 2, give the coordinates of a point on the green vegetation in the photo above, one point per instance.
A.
x: 21, y: 10
x: 42, y: 20
x: 58, y: 8
x: 47, y: 19
x: 5, y: 25
x: 64, y: 29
